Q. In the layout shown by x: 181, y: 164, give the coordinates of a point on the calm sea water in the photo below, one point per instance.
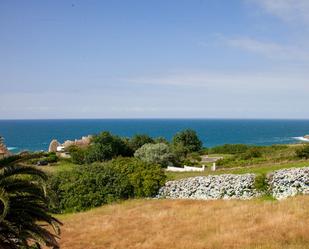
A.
x: 36, y: 134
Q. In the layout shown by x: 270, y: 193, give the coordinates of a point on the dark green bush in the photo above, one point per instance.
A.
x: 303, y: 152
x: 104, y: 147
x: 146, y: 178
x: 137, y: 141
x: 261, y: 184
x: 52, y: 158
x: 77, y: 154
x: 90, y: 186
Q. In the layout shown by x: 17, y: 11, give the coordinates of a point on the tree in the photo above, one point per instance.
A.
x: 24, y: 211
x: 186, y: 141
x: 106, y: 146
x: 137, y: 141
x: 155, y: 153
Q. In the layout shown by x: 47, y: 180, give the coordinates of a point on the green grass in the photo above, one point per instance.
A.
x: 62, y: 165
x: 220, y: 155
x: 260, y: 169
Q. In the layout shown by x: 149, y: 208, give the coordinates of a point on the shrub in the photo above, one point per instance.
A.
x: 106, y: 146
x: 52, y: 158
x: 261, y: 184
x: 155, y: 153
x: 303, y: 152
x: 145, y: 178
x: 90, y: 186
x: 77, y: 154
x: 137, y: 141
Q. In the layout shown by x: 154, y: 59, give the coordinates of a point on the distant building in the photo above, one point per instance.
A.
x: 55, y: 146
x: 60, y: 148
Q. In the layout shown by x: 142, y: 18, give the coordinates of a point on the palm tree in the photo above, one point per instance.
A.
x: 24, y: 218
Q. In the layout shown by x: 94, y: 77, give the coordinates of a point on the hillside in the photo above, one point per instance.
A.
x: 185, y: 224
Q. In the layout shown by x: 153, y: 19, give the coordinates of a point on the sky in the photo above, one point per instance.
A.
x: 154, y: 59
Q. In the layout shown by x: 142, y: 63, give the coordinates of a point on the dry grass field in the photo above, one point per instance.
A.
x: 187, y: 224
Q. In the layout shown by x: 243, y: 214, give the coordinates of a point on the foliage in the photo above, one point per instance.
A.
x: 52, y: 158
x: 155, y: 153
x: 179, y: 151
x: 250, y: 155
x: 260, y: 183
x: 186, y: 141
x: 230, y: 149
x: 77, y: 154
x: 24, y: 157
x: 93, y: 185
x: 253, y: 152
x: 104, y: 147
x: 195, y: 156
x: 137, y: 141
x: 42, y: 157
x: 161, y: 140
x: 24, y: 211
x: 303, y: 152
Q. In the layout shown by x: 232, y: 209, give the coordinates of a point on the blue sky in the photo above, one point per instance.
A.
x: 154, y: 59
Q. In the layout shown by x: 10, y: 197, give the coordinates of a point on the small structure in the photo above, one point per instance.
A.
x: 306, y: 137
x: 55, y: 146
x: 60, y: 148
x: 213, y: 167
x: 186, y: 169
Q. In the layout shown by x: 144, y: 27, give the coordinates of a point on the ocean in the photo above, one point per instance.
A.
x: 35, y: 135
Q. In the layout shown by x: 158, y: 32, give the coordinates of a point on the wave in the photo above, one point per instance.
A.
x: 12, y: 148
x: 301, y: 139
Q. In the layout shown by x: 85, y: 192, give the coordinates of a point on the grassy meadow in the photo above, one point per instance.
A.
x: 188, y: 224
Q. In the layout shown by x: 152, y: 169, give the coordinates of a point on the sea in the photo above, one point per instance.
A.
x: 35, y: 135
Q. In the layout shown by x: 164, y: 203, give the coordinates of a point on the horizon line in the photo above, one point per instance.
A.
x: 148, y: 118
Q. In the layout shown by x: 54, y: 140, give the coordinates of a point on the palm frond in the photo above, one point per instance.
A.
x: 24, y: 211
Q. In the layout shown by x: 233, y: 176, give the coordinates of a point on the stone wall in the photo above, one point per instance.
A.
x: 211, y: 187
x: 282, y: 183
x: 289, y: 182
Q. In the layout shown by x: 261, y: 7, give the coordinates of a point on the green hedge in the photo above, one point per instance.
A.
x: 90, y: 186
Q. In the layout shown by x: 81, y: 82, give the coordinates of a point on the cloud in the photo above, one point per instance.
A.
x: 269, y: 49
x: 289, y: 10
x: 240, y: 82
